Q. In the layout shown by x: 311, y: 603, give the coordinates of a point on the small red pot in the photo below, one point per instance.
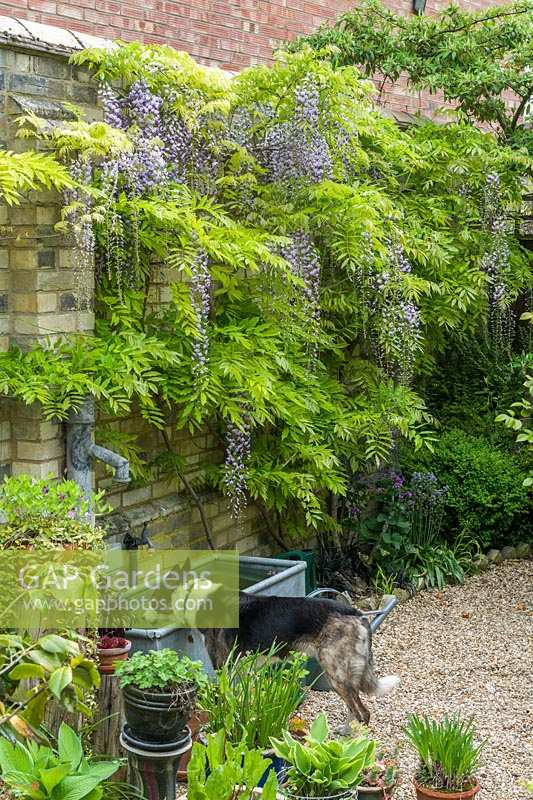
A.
x: 425, y: 793
x: 108, y: 656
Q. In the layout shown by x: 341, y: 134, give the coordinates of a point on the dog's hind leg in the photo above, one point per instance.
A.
x: 343, y: 655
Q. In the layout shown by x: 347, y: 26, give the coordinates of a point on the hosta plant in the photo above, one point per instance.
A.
x: 449, y: 755
x: 319, y: 767
x: 40, y: 773
x: 221, y: 771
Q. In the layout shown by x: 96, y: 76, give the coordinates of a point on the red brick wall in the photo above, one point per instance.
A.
x: 229, y: 33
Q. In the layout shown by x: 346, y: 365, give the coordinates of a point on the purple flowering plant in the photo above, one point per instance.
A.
x: 46, y: 512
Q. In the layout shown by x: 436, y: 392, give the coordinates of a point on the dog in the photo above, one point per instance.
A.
x: 338, y: 636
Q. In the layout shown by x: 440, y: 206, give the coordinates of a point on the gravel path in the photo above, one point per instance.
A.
x: 468, y: 648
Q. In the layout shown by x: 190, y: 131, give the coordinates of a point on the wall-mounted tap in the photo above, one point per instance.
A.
x: 81, y: 450
x: 131, y: 542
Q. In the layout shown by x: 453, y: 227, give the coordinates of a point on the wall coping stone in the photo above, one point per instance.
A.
x: 47, y: 38
x: 117, y: 522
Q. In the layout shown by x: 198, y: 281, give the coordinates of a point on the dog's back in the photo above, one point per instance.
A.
x: 338, y: 636
x: 288, y: 621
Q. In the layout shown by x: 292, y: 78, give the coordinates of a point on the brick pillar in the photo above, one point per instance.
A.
x: 37, y: 281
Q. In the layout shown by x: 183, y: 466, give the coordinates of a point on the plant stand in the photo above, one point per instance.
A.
x: 153, y: 771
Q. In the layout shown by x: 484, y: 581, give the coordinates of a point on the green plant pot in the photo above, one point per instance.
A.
x: 375, y: 792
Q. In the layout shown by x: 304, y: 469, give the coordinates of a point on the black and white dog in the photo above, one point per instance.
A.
x: 339, y: 637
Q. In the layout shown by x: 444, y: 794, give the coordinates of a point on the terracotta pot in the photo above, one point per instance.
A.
x: 375, y: 792
x: 107, y: 658
x: 198, y: 719
x: 426, y: 793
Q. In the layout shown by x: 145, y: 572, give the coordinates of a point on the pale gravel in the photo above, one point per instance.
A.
x: 468, y: 649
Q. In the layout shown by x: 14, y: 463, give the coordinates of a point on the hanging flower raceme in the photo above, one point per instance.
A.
x: 495, y: 262
x: 78, y: 204
x: 296, y: 149
x: 238, y: 450
x: 201, y: 303
x: 304, y: 261
x: 398, y: 334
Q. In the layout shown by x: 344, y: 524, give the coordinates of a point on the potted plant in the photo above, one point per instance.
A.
x: 112, y: 646
x: 254, y: 699
x: 324, y: 768
x: 220, y: 771
x: 34, y: 771
x: 449, y: 757
x: 379, y: 781
x: 159, y: 690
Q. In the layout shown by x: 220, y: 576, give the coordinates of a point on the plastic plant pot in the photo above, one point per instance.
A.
x: 376, y: 792
x: 157, y: 716
x: 347, y: 794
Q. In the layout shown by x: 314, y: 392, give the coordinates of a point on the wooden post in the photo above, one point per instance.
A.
x: 108, y: 719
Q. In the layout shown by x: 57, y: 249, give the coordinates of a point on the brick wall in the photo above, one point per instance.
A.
x: 37, y: 301
x: 229, y: 33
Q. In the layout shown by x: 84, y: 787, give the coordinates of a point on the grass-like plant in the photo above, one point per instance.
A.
x: 449, y: 755
x: 253, y: 698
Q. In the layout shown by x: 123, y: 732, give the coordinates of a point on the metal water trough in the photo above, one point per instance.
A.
x: 264, y: 576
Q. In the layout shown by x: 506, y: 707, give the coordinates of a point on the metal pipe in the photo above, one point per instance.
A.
x: 81, y: 450
x: 120, y: 464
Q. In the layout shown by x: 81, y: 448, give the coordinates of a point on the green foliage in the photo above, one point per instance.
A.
x: 160, y: 670
x: 46, y: 513
x: 220, y: 771
x: 58, y: 669
x: 21, y: 172
x: 519, y: 416
x: 320, y: 767
x: 38, y: 773
x: 486, y: 500
x: 476, y: 59
x: 399, y: 533
x: 253, y: 699
x: 313, y: 420
x: 449, y: 756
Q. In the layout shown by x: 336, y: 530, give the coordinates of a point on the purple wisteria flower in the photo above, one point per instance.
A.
x: 238, y: 450
x: 201, y: 303
x: 305, y: 263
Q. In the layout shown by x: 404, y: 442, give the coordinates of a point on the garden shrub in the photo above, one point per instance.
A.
x: 486, y: 499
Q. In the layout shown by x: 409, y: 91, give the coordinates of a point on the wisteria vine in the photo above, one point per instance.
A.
x: 495, y: 262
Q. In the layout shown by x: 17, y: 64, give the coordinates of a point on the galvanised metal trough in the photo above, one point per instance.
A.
x: 264, y: 576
